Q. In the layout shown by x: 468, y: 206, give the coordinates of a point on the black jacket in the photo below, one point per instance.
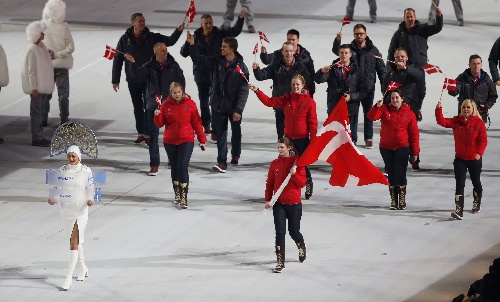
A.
x: 414, y: 40
x: 409, y: 78
x: 304, y: 57
x: 484, y: 93
x: 352, y: 84
x: 158, y: 79
x: 368, y: 65
x: 211, y: 47
x: 228, y: 90
x: 141, y: 51
x: 494, y: 60
x: 281, y: 76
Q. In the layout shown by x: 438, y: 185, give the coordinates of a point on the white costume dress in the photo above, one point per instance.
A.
x: 76, y: 189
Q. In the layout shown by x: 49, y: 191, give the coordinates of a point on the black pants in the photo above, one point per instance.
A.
x: 137, y: 94
x: 204, y: 95
x: 301, y: 145
x: 396, y: 162
x: 279, y: 114
x: 460, y: 167
x: 179, y: 157
x: 292, y: 212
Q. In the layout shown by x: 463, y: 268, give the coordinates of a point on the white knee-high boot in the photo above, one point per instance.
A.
x: 84, y: 271
x: 73, y: 257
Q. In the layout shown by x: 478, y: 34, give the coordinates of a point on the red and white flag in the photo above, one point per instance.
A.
x: 262, y: 36
x: 450, y: 84
x: 110, y: 52
x: 158, y: 100
x: 346, y: 21
x: 256, y: 49
x: 342, y: 66
x: 238, y: 69
x: 191, y: 12
x: 393, y: 86
x: 429, y: 68
x: 334, y: 145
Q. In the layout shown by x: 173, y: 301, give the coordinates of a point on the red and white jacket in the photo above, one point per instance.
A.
x: 278, y: 171
x: 399, y: 127
x: 470, y: 137
x: 301, y: 120
x: 181, y: 120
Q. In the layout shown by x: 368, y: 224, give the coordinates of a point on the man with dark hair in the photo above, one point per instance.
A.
x: 475, y: 84
x: 228, y: 97
x: 299, y: 52
x: 138, y: 41
x: 208, y: 39
x: 412, y: 36
x: 494, y: 60
x: 363, y: 52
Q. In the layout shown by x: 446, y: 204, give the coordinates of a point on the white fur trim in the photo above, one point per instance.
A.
x: 54, y: 11
x: 34, y: 30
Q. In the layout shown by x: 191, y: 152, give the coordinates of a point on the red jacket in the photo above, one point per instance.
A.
x: 399, y: 128
x: 278, y: 171
x: 301, y: 120
x: 181, y: 120
x: 470, y: 137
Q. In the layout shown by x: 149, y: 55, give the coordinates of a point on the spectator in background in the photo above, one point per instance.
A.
x: 349, y: 11
x: 457, y: 5
x: 246, y: 7
x: 494, y: 60
x: 4, y: 73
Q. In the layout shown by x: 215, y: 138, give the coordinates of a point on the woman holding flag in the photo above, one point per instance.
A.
x: 398, y: 131
x: 288, y: 204
x: 181, y: 119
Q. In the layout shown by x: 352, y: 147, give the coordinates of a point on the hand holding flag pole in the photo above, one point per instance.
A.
x: 377, y: 57
x: 278, y: 192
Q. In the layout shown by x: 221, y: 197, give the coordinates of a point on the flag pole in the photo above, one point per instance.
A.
x: 434, y: 4
x: 441, y: 94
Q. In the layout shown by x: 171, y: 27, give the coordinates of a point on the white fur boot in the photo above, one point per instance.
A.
x: 84, y: 271
x: 73, y: 257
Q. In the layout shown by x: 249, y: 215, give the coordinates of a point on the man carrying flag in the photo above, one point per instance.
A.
x: 475, y: 84
x: 228, y: 98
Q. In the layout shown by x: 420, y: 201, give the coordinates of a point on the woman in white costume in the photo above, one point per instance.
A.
x: 77, y: 179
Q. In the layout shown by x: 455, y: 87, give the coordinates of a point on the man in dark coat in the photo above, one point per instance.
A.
x: 228, y: 95
x: 412, y: 36
x: 208, y: 38
x: 344, y: 78
x: 300, y: 53
x: 281, y: 72
x: 475, y: 84
x: 494, y: 60
x: 363, y: 52
x: 138, y: 41
x: 157, y: 75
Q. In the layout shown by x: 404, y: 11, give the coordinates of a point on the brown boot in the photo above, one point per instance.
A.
x: 280, y: 255
x: 476, y: 205
x: 459, y: 203
x: 184, y: 192
x: 393, y: 190
x: 177, y: 191
x: 302, y: 251
x: 402, y: 197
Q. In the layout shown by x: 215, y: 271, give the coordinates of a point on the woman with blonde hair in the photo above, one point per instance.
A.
x: 471, y: 140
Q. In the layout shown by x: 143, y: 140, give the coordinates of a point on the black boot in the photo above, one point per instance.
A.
x: 309, y: 188
x: 280, y: 255
x: 402, y: 197
x: 302, y: 251
x: 393, y: 190
x: 177, y: 191
x: 184, y: 193
x: 476, y: 205
x: 459, y: 211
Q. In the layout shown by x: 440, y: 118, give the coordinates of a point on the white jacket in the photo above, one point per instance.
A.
x: 38, y: 72
x: 58, y: 39
x: 4, y: 69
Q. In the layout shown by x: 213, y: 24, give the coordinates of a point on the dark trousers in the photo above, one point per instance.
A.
x: 222, y: 126
x: 137, y: 94
x: 460, y: 167
x: 396, y: 162
x: 204, y: 94
x: 179, y: 157
x: 367, y: 103
x: 279, y: 114
x: 153, y: 132
x: 292, y: 212
x: 353, y: 124
x: 301, y: 145
x: 421, y: 91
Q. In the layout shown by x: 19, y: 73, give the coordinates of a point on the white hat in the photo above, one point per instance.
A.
x: 75, y: 149
x: 34, y: 30
x: 54, y: 11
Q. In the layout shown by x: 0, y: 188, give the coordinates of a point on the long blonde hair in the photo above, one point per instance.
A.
x: 475, y: 112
